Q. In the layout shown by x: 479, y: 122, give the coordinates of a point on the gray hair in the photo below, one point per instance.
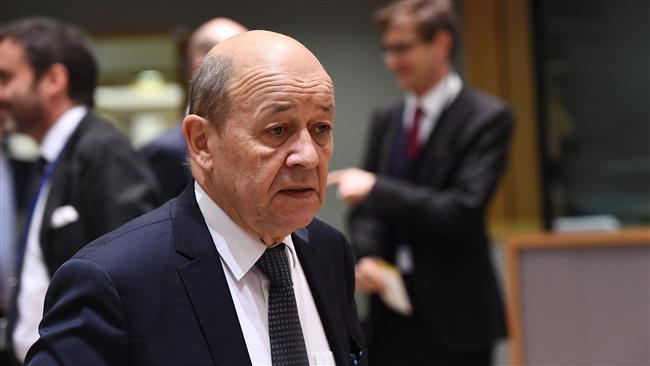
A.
x: 209, y: 97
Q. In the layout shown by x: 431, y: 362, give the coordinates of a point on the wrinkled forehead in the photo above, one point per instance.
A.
x: 264, y: 63
x: 272, y: 80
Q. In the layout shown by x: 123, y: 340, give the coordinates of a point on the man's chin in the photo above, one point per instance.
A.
x: 404, y: 84
x: 296, y: 220
x: 7, y: 123
x: 283, y: 226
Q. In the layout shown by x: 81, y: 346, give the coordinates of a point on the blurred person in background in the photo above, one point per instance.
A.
x: 432, y: 162
x: 167, y: 154
x: 90, y: 180
x: 7, y: 238
x: 17, y: 165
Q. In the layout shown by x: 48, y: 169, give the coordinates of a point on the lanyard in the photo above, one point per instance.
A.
x: 48, y: 171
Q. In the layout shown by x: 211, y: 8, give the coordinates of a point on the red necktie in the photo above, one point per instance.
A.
x: 412, y: 145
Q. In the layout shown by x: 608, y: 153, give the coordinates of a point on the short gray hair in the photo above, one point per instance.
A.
x: 209, y: 97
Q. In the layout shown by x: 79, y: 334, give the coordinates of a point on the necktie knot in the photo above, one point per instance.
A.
x: 275, y: 265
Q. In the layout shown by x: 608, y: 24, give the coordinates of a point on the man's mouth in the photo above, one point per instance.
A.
x: 299, y: 192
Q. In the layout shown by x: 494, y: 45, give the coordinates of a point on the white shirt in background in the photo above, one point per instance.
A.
x: 34, y: 276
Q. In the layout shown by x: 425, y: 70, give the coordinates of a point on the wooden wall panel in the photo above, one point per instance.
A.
x: 497, y: 43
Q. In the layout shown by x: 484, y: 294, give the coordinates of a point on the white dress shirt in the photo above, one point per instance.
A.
x: 34, y: 276
x: 249, y: 287
x: 439, y: 97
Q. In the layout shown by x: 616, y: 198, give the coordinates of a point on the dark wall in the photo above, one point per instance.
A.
x: 594, y: 58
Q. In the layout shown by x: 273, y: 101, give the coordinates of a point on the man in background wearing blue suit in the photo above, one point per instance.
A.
x: 167, y: 153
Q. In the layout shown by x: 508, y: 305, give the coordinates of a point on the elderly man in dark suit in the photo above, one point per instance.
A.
x: 168, y: 153
x: 91, y: 181
x: 432, y: 162
x: 235, y: 270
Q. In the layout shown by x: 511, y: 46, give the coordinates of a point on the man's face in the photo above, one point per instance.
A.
x: 20, y: 96
x: 415, y: 62
x: 271, y: 159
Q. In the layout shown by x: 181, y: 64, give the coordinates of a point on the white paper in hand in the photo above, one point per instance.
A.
x: 395, y: 295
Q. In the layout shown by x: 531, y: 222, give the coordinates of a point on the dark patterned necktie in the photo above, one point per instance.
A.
x: 287, y: 342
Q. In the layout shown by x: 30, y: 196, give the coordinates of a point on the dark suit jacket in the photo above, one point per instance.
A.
x: 154, y: 293
x: 166, y: 156
x: 439, y: 209
x: 99, y: 174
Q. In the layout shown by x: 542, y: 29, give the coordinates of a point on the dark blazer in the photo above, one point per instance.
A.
x: 154, y: 293
x: 166, y: 156
x: 100, y: 175
x: 438, y: 208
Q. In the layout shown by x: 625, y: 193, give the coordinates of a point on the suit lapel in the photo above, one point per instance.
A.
x: 436, y: 150
x: 324, y: 293
x: 205, y: 283
x: 60, y: 186
x: 390, y: 138
x: 56, y: 195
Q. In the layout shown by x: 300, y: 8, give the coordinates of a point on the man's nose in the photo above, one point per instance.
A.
x: 303, y: 152
x: 390, y: 60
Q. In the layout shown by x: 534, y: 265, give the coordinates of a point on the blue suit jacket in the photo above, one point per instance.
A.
x: 166, y: 156
x: 153, y: 292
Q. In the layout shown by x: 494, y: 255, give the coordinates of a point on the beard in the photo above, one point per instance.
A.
x: 25, y: 115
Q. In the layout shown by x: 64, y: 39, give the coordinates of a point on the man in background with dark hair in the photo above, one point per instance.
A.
x: 90, y: 179
x: 167, y: 153
x: 432, y: 163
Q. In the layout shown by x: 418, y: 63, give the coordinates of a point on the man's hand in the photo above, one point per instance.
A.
x: 369, y: 276
x: 353, y: 184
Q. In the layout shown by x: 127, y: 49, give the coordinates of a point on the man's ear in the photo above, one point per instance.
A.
x: 443, y: 41
x: 55, y: 81
x: 195, y: 62
x: 197, y: 131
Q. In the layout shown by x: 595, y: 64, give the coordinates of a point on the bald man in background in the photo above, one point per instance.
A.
x: 167, y: 153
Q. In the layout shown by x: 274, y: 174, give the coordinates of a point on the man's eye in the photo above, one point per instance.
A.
x: 277, y: 130
x: 323, y: 129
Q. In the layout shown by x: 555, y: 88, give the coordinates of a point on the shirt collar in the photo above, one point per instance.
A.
x: 57, y: 136
x: 239, y: 249
x: 438, y: 97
